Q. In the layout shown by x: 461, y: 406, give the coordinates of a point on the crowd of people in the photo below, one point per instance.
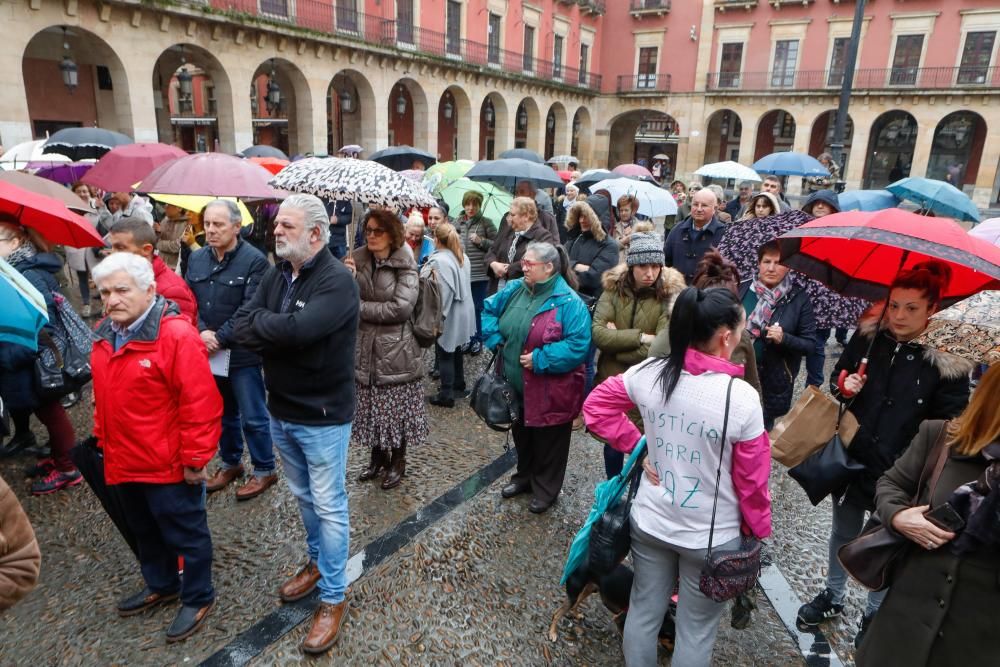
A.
x: 595, y: 320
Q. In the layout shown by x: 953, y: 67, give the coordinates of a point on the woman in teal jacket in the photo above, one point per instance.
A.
x: 543, y: 331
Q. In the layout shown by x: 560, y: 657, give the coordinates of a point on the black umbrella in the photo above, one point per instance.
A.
x: 522, y: 154
x: 509, y: 172
x: 84, y: 143
x: 400, y: 158
x: 89, y: 461
x: 264, y: 150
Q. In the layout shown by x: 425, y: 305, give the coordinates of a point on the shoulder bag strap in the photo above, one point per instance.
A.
x: 718, y: 472
x: 934, y: 464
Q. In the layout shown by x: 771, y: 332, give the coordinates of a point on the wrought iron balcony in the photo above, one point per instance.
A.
x: 892, y: 78
x: 639, y: 8
x: 648, y: 84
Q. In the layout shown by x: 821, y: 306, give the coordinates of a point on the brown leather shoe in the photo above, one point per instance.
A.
x: 301, y: 584
x: 255, y: 487
x: 325, y: 630
x: 222, y: 478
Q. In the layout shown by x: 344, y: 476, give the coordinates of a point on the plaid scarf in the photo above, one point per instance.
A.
x: 23, y: 253
x: 766, y: 300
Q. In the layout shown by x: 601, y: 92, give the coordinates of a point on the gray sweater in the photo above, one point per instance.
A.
x: 476, y: 252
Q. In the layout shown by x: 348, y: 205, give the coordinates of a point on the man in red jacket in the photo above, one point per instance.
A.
x: 157, y: 417
x: 137, y: 237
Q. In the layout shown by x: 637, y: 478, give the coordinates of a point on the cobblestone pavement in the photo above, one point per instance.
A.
x: 478, y: 587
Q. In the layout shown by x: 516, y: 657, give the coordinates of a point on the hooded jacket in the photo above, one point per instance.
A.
x: 633, y: 315
x: 600, y: 203
x: 749, y: 214
x: 386, y: 351
x: 594, y: 248
x: 827, y: 196
x: 906, y: 384
x: 157, y: 409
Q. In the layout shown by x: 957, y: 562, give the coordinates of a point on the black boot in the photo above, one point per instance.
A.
x: 18, y: 443
x: 375, y: 465
x: 397, y: 468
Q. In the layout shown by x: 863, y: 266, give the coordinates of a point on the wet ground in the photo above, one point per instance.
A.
x: 478, y: 585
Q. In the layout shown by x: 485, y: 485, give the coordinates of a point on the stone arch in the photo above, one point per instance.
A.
x: 556, y: 137
x: 528, y: 130
x: 891, y: 143
x: 582, y: 141
x: 102, y: 96
x: 350, y: 111
x: 494, y: 126
x: 411, y: 127
x: 640, y: 134
x: 289, y: 126
x: 821, y: 136
x: 454, y: 130
x: 204, y: 122
x: 957, y: 148
x: 775, y: 133
x: 723, y: 133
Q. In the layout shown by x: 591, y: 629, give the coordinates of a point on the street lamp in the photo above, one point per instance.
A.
x: 724, y: 128
x: 550, y: 122
x: 401, y: 102
x: 346, y: 101
x: 70, y: 72
x: 273, y: 97
x: 522, y: 118
x: 576, y: 125
x: 488, y: 113
x: 449, y: 108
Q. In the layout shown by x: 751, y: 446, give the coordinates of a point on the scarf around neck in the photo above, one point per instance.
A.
x: 767, y: 298
x: 23, y: 253
x: 978, y: 502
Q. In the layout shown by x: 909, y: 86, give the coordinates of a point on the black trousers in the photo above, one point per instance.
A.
x: 169, y: 520
x: 451, y: 366
x: 542, y: 452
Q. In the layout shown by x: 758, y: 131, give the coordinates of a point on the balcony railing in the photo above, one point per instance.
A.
x: 596, y: 7
x: 906, y: 78
x: 644, y: 83
x: 323, y: 17
x: 640, y: 7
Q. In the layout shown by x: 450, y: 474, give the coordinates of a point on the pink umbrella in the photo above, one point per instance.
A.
x: 124, y: 166
x: 210, y: 175
x: 632, y: 170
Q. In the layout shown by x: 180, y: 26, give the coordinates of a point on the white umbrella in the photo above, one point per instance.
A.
x: 729, y: 169
x: 18, y: 156
x: 654, y: 201
x: 346, y: 179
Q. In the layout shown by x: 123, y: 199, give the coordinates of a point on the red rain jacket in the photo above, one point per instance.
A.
x: 156, y: 405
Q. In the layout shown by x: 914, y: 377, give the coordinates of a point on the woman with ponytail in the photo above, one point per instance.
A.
x: 687, y: 399
x: 454, y: 277
x: 903, y: 384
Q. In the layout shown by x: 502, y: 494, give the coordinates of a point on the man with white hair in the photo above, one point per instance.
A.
x: 224, y: 276
x: 156, y: 416
x: 303, y: 321
x: 689, y: 240
x: 737, y: 206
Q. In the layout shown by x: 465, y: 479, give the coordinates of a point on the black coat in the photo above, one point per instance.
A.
x: 221, y: 288
x: 685, y: 246
x: 305, y: 331
x: 907, y: 383
x: 779, y: 365
x: 17, y: 363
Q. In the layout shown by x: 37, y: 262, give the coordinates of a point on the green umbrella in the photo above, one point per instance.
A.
x: 444, y: 174
x: 496, y: 201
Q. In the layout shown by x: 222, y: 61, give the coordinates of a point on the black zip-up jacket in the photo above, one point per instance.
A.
x: 220, y: 288
x: 685, y: 245
x: 305, y: 331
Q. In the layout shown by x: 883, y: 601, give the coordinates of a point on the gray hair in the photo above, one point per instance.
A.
x: 545, y: 252
x: 139, y: 268
x: 720, y: 194
x: 314, y: 210
x: 235, y: 215
x: 747, y: 184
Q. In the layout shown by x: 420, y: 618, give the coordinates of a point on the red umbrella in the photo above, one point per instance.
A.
x: 211, y: 175
x: 566, y: 175
x: 632, y: 170
x: 48, y: 217
x: 272, y: 164
x: 124, y: 166
x: 859, y: 253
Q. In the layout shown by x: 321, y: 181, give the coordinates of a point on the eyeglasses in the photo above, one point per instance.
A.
x: 528, y: 264
x: 377, y: 232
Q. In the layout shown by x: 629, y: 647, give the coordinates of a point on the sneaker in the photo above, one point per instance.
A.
x: 40, y: 469
x: 866, y: 620
x: 69, y: 400
x: 55, y: 481
x: 821, y: 608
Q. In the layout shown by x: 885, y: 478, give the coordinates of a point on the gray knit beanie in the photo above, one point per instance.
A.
x: 644, y: 249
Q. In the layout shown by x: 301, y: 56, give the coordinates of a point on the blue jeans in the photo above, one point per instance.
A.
x: 315, y: 462
x: 848, y: 520
x: 590, y: 370
x: 478, y: 297
x: 245, y: 414
x: 816, y: 359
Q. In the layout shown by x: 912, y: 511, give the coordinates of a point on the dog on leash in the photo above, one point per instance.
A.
x: 615, y: 588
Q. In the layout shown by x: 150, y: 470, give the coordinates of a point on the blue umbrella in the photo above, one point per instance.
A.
x: 938, y: 196
x: 607, y: 494
x: 867, y: 200
x: 790, y: 164
x: 508, y: 172
x: 22, y: 308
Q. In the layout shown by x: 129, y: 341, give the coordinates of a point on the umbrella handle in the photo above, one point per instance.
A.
x: 862, y: 367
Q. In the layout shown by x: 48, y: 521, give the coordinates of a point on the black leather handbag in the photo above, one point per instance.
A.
x: 611, y: 535
x: 493, y: 399
x: 828, y: 471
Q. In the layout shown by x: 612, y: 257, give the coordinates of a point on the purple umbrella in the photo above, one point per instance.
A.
x: 740, y: 243
x: 65, y: 173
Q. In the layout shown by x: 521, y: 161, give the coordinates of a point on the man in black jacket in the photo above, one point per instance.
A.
x: 223, y: 276
x: 692, y: 238
x: 303, y: 320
